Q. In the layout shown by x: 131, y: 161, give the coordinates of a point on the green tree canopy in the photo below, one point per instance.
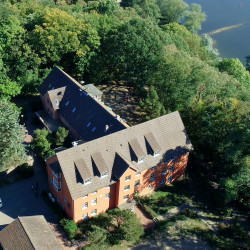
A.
x: 12, y: 150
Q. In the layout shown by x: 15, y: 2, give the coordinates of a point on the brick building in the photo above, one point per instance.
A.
x: 116, y: 161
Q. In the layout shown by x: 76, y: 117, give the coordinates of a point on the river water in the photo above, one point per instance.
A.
x: 234, y: 43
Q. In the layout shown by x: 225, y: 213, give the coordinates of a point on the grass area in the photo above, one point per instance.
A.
x: 162, y: 200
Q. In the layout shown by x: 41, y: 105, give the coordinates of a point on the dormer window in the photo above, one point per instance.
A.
x: 74, y: 109
x: 104, y: 174
x: 87, y: 181
x: 53, y: 88
x: 67, y: 103
x: 93, y: 129
x: 140, y: 160
x: 56, y: 102
x: 156, y: 153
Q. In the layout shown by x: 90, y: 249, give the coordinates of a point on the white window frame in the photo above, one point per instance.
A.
x: 85, y: 216
x: 138, y: 173
x: 126, y: 188
x: 164, y: 171
x: 125, y: 197
x: 94, y: 212
x: 152, y: 177
x: 85, y: 196
x: 87, y: 181
x: 107, y: 196
x: 85, y: 205
x: 127, y: 178
x: 94, y: 202
x: 137, y: 183
x: 151, y: 186
x: 104, y: 175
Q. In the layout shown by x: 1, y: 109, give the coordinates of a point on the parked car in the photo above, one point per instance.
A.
x: 1, y: 203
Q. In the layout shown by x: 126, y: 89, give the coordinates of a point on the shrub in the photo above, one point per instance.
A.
x: 189, y: 213
x: 69, y: 227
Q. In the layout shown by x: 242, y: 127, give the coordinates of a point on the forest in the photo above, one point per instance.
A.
x: 152, y: 45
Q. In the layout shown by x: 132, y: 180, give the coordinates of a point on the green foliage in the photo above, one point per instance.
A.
x: 152, y: 105
x: 172, y: 11
x: 42, y: 142
x: 112, y: 228
x: 57, y: 35
x: 61, y: 135
x: 69, y: 227
x: 194, y: 17
x: 12, y: 150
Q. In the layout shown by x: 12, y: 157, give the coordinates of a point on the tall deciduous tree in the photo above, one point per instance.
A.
x: 172, y: 10
x: 12, y: 150
x: 194, y: 17
x: 60, y: 38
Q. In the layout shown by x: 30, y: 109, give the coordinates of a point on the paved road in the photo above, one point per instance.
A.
x: 19, y: 200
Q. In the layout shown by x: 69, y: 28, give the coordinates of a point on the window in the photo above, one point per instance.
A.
x: 67, y: 103
x: 126, y: 188
x: 53, y: 88
x: 87, y: 181
x: 65, y: 200
x: 73, y: 110
x: 140, y: 160
x: 93, y: 129
x: 107, y: 196
x: 127, y: 178
x: 138, y: 173
x: 88, y: 124
x: 164, y: 171
x: 84, y: 216
x: 152, y: 177
x: 94, y: 202
x: 137, y: 184
x: 56, y: 101
x: 104, y: 175
x: 69, y: 207
x: 170, y: 178
x: 93, y: 212
x: 162, y: 182
x: 94, y: 192
x: 85, y: 196
x: 126, y: 197
x: 85, y: 205
x: 171, y: 169
x: 151, y: 186
x: 153, y: 168
x: 156, y: 153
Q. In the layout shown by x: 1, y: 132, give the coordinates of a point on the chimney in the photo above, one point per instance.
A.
x: 74, y: 143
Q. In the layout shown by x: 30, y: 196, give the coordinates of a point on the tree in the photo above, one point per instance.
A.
x: 172, y: 10
x: 42, y: 143
x: 61, y: 135
x: 132, y: 51
x: 97, y: 237
x: 60, y: 38
x: 70, y: 227
x: 194, y: 17
x: 152, y: 105
x: 235, y: 68
x: 127, y: 226
x: 12, y: 150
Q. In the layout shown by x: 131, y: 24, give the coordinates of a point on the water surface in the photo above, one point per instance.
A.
x: 233, y: 43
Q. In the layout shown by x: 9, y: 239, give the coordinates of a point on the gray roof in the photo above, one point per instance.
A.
x: 32, y: 232
x: 87, y: 116
x: 92, y: 90
x: 169, y: 136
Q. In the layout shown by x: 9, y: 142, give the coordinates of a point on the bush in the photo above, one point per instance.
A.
x: 26, y: 171
x: 69, y: 227
x: 190, y: 213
